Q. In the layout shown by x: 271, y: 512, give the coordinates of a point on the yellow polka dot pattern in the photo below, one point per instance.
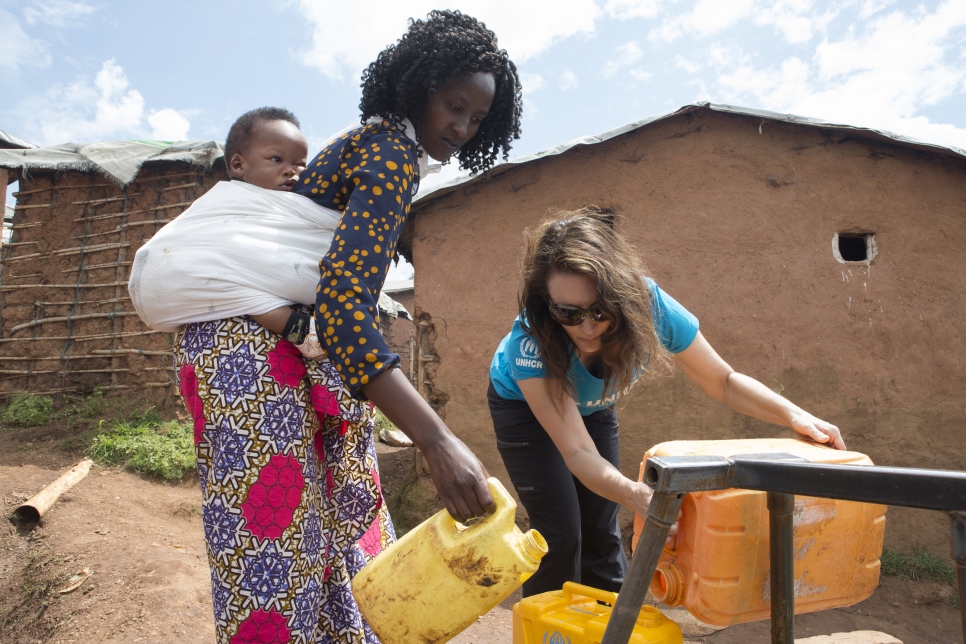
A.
x: 368, y: 174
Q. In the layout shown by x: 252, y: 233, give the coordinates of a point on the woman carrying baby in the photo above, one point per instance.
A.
x: 292, y: 507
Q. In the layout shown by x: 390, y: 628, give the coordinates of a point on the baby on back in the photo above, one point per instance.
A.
x: 248, y: 246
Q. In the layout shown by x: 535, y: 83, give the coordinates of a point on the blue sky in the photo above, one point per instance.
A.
x: 84, y: 70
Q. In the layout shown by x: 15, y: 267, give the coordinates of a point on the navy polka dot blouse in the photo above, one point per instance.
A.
x: 369, y: 174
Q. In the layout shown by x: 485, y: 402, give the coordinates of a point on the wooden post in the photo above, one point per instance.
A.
x: 4, y: 177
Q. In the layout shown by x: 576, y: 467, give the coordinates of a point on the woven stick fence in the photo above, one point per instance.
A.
x: 68, y: 324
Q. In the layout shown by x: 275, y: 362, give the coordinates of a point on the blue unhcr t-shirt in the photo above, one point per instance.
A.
x: 518, y: 356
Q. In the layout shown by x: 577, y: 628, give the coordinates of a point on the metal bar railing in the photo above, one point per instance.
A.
x: 782, y: 476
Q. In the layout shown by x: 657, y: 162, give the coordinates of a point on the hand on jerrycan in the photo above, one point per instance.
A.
x: 441, y: 576
x: 459, y: 478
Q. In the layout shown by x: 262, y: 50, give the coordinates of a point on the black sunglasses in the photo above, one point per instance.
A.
x: 574, y: 315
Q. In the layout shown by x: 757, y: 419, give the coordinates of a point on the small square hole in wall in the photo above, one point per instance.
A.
x: 854, y: 248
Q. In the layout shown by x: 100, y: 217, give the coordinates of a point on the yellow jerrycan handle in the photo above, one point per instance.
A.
x: 504, y: 503
x: 571, y: 588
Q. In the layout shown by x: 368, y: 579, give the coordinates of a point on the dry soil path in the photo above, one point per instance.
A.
x: 149, y: 581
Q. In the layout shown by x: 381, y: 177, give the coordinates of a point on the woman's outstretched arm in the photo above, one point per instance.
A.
x: 458, y: 475
x: 705, y: 367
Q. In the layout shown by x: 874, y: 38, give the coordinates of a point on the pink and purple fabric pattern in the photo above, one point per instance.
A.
x: 291, y: 502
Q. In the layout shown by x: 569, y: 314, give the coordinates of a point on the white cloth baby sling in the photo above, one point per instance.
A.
x: 237, y: 250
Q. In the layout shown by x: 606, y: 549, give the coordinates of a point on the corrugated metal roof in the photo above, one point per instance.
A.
x: 119, y: 161
x: 450, y: 186
x: 394, y: 286
x: 392, y: 308
x: 9, y: 141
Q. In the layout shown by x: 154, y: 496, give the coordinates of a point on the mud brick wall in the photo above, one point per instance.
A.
x: 399, y: 334
x: 735, y: 217
x: 67, y: 323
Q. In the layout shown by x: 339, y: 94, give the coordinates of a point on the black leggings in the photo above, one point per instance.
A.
x: 580, y: 527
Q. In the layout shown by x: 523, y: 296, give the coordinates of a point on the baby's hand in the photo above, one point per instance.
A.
x: 311, y: 348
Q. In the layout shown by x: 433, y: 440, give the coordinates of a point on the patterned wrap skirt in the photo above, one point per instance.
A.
x: 291, y: 503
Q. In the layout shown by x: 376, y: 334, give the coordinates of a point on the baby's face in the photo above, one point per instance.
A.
x: 275, y: 157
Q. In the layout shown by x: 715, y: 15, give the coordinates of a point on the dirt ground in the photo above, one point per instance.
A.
x: 143, y: 544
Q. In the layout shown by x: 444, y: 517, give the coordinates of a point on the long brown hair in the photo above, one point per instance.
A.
x: 585, y: 242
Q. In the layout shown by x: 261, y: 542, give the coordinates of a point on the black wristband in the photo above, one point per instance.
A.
x: 297, y: 328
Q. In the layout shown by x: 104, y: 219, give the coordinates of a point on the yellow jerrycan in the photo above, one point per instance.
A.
x: 718, y: 564
x: 440, y: 577
x: 574, y: 616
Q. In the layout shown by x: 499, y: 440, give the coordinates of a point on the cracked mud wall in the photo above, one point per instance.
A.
x: 735, y: 218
x: 427, y: 362
x: 67, y: 324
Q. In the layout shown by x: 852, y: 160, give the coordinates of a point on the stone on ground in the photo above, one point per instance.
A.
x: 690, y: 625
x: 855, y: 637
x: 394, y: 437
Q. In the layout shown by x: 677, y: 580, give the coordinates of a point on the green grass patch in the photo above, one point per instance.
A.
x: 88, y: 407
x: 381, y: 422
x: 27, y: 410
x: 917, y: 566
x: 147, y: 445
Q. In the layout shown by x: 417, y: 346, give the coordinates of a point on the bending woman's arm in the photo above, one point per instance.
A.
x: 746, y: 395
x: 564, y: 425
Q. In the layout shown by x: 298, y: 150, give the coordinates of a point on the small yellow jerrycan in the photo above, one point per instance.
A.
x: 575, y: 616
x: 441, y: 576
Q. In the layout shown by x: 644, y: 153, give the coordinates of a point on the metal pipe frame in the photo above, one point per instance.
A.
x: 783, y: 476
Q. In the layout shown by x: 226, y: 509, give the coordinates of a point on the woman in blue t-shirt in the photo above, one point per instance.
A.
x: 590, y: 325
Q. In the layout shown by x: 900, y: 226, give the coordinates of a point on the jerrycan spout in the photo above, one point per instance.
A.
x: 533, y: 546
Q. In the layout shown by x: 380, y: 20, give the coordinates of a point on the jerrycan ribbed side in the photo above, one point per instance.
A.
x: 718, y: 565
x: 441, y: 576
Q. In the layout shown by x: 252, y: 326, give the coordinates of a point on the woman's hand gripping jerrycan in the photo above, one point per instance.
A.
x: 441, y: 576
x: 718, y: 564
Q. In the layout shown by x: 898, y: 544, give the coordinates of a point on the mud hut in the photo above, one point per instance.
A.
x: 68, y: 324
x: 82, y: 212
x: 825, y: 260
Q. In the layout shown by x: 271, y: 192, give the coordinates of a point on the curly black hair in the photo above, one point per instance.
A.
x: 240, y: 133
x: 432, y: 52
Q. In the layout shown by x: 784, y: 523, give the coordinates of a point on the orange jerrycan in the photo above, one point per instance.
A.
x: 718, y: 566
x: 574, y: 616
x: 441, y: 576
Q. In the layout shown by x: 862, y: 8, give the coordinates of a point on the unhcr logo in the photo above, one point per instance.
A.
x: 528, y: 348
x: 530, y: 354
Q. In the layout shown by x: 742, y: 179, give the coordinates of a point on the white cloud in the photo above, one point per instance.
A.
x: 882, y: 76
x: 790, y: 19
x: 568, y: 80
x: 625, y: 56
x: 624, y: 9
x: 107, y: 109
x: 641, y: 74
x: 706, y: 18
x: 17, y: 49
x: 872, y: 7
x: 531, y: 82
x: 56, y: 13
x: 688, y: 66
x: 169, y: 125
x: 524, y: 29
x: 796, y: 21
x: 401, y: 271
